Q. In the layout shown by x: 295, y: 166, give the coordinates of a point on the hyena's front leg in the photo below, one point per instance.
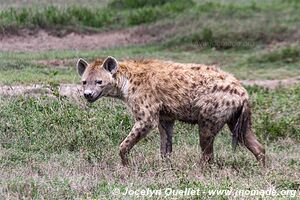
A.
x: 139, y: 131
x: 166, y: 131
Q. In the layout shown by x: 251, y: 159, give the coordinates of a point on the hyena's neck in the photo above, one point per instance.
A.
x: 120, y: 88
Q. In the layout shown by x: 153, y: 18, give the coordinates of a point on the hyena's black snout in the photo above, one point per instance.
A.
x: 88, y: 94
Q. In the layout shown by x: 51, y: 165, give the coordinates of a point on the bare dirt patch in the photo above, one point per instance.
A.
x: 272, y: 84
x: 69, y: 90
x: 43, y: 41
x: 75, y: 91
x: 62, y: 63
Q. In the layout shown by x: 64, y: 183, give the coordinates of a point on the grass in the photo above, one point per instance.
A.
x: 56, y: 148
x: 6, y: 4
x: 287, y: 54
x: 222, y: 25
x: 54, y: 17
x: 274, y: 117
x: 19, y: 68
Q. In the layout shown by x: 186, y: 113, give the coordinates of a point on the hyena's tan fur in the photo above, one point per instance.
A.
x: 160, y: 92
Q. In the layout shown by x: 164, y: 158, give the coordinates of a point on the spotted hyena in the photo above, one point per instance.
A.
x: 160, y: 92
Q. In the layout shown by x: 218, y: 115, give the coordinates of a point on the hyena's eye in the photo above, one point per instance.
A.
x: 99, y: 82
x: 83, y: 82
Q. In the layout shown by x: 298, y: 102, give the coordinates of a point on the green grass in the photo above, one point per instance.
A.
x: 79, y: 18
x: 274, y: 117
x: 219, y: 25
x: 127, y: 4
x: 59, y: 148
x: 6, y: 4
x: 20, y: 68
x: 285, y: 55
x: 56, y: 148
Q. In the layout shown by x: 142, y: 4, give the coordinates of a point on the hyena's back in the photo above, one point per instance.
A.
x: 191, y: 92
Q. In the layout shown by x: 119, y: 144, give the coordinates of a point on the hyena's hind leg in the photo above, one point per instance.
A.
x: 250, y: 141
x: 165, y: 128
x: 207, y: 132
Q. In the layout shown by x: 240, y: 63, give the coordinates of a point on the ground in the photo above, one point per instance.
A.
x: 54, y: 145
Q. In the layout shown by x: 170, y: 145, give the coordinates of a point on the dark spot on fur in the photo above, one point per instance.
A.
x: 172, y: 88
x: 226, y: 88
x: 227, y: 103
x: 235, y: 91
x: 147, y: 106
x: 175, y: 74
x: 137, y: 107
x: 138, y: 135
x: 148, y: 119
x: 221, y: 88
x: 140, y: 75
x: 233, y: 102
x: 216, y: 105
x: 243, y: 94
x: 194, y: 85
x: 177, y: 98
x: 133, y: 89
x: 223, y: 102
x: 209, y: 109
x: 181, y: 78
x: 214, y: 88
x: 127, y: 141
x: 148, y: 126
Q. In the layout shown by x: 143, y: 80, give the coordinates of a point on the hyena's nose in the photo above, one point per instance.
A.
x: 88, y: 94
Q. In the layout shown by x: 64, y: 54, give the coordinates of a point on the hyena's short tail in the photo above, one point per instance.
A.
x: 243, y: 121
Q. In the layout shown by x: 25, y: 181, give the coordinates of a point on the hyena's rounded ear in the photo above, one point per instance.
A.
x: 81, y: 66
x: 111, y: 64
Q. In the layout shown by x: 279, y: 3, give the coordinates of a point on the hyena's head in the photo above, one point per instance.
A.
x: 97, y: 78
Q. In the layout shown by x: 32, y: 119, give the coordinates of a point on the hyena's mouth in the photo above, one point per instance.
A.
x: 93, y: 99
